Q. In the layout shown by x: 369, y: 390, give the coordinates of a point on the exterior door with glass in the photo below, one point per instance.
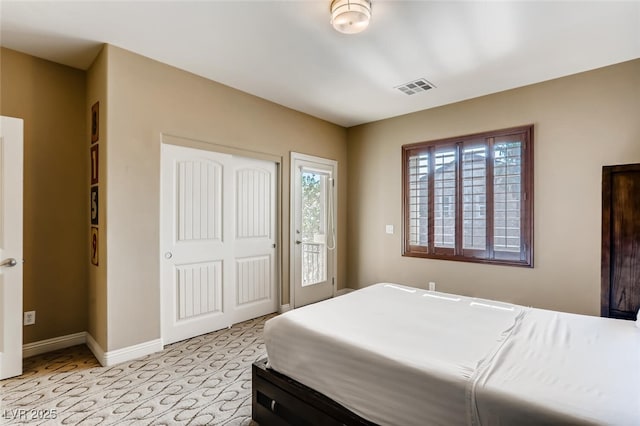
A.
x: 314, y: 230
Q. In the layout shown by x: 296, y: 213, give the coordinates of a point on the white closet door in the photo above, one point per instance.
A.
x: 197, y: 243
x: 255, y: 238
x: 218, y: 237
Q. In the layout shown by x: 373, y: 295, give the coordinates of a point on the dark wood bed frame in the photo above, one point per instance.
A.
x: 280, y: 400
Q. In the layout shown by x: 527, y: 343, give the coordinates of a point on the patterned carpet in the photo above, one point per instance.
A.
x: 205, y: 380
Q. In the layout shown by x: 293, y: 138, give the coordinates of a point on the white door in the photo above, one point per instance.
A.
x: 255, y: 265
x: 11, y: 163
x: 217, y: 240
x: 314, y: 230
x: 196, y: 253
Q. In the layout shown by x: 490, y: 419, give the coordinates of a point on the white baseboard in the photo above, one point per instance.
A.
x: 108, y: 359
x: 48, y: 345
x: 284, y: 308
x: 94, y: 347
x: 287, y: 307
x: 132, y: 352
x: 344, y: 291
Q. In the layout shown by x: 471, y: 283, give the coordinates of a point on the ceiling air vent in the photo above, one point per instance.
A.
x: 416, y: 86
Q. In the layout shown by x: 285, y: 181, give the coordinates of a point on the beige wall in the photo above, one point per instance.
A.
x: 147, y: 98
x: 97, y: 289
x: 582, y: 122
x: 50, y: 98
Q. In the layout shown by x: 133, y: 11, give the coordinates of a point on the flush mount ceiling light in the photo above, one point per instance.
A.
x: 350, y: 16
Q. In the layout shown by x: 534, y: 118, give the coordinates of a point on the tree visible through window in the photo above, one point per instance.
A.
x: 470, y: 198
x: 312, y: 206
x: 313, y: 238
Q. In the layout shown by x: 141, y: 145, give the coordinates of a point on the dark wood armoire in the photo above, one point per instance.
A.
x: 620, y: 296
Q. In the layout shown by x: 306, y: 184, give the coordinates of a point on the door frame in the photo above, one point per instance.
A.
x: 295, y: 156
x: 169, y: 139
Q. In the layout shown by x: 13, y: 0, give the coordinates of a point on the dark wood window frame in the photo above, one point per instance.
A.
x: 418, y: 157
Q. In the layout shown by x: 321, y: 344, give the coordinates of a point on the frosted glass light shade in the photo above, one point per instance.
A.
x: 350, y: 16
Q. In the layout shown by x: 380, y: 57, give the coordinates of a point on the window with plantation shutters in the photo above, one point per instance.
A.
x: 470, y: 198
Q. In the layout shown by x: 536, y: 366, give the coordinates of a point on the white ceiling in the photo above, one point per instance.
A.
x: 287, y: 52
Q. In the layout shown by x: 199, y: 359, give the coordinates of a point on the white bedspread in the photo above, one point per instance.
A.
x: 559, y: 368
x: 397, y: 355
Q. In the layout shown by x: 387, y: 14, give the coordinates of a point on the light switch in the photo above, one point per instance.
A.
x: 389, y: 229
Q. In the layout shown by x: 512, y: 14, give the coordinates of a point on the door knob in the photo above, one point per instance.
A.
x: 10, y: 262
x: 168, y: 255
x: 298, y: 242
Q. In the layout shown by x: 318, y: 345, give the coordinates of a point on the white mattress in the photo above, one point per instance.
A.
x: 397, y: 355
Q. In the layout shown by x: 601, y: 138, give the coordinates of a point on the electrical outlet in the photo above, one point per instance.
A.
x: 388, y: 229
x: 29, y: 317
x: 432, y: 286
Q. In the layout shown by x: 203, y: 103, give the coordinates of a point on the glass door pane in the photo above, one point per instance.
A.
x: 314, y: 227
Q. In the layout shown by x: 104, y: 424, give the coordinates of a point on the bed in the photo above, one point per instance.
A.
x: 395, y: 355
